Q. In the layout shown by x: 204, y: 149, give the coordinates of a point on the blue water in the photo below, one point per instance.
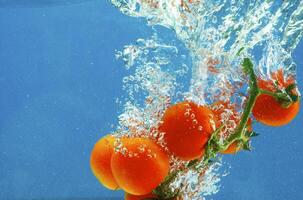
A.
x: 59, y: 81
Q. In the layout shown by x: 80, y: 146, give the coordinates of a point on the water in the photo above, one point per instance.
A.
x: 214, y: 32
x: 37, y: 3
x: 218, y: 30
x: 62, y: 89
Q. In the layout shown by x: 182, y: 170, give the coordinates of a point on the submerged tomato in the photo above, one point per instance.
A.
x: 140, y: 167
x: 268, y: 110
x: 100, y: 162
x: 187, y: 128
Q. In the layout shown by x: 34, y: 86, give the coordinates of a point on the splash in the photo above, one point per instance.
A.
x: 217, y: 35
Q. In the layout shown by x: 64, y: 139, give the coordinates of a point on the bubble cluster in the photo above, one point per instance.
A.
x: 151, y: 84
x: 215, y: 31
x: 217, y: 34
x: 198, y: 184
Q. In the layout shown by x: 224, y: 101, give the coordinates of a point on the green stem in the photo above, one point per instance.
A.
x: 239, y: 134
x: 273, y: 94
x: 278, y: 96
x: 285, y: 99
x: 163, y: 191
x: 254, y: 92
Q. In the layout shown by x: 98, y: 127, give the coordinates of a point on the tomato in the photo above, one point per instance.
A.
x: 100, y: 162
x: 140, y: 166
x: 187, y: 128
x: 268, y: 110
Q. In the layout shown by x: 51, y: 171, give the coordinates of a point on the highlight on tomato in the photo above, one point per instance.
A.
x: 139, y: 166
x: 187, y: 127
x: 278, y: 104
x: 100, y: 162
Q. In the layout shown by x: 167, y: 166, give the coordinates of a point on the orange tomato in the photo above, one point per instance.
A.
x: 100, y: 162
x: 140, y: 166
x: 140, y: 197
x: 187, y: 128
x: 268, y: 110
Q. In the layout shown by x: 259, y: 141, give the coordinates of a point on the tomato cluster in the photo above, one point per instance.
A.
x: 139, y: 165
x: 136, y: 165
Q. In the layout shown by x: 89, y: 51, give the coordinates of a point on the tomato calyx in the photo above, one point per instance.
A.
x: 285, y: 97
x: 216, y: 145
x: 213, y: 145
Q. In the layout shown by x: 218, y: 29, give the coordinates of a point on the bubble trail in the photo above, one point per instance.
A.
x: 217, y: 35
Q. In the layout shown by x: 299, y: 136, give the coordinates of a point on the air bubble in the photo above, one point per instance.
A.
x: 208, y: 30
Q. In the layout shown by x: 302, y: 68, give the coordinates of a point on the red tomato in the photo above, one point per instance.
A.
x: 268, y: 110
x: 187, y: 128
x: 140, y: 166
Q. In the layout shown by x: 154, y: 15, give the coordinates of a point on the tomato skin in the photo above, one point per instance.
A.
x: 100, y: 162
x: 140, y: 169
x: 268, y: 110
x: 186, y: 136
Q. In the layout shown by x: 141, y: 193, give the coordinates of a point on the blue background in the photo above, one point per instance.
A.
x: 59, y: 81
